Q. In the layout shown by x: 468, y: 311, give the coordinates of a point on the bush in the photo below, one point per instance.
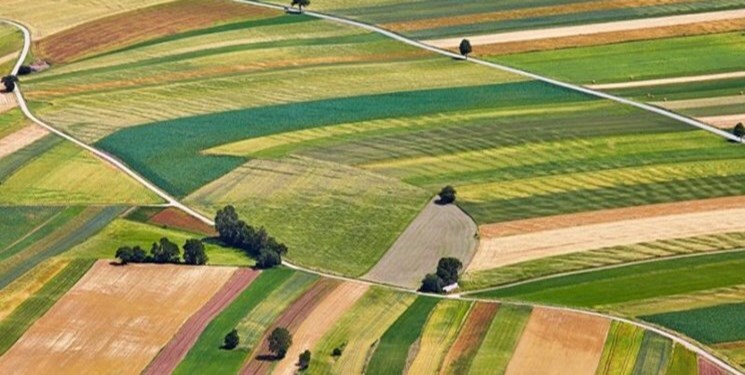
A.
x: 231, y: 340
x: 465, y: 47
x: 24, y: 70
x: 337, y: 352
x: 447, y: 195
x: 279, y: 342
x: 739, y: 130
x: 304, y: 360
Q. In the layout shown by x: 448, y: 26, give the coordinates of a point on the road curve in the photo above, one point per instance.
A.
x: 175, y: 203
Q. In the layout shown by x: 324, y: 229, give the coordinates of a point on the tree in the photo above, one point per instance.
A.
x: 9, y: 82
x: 124, y: 254
x: 739, y: 131
x: 138, y: 255
x: 194, y: 252
x: 431, y: 284
x: 300, y: 4
x: 304, y: 360
x: 165, y: 251
x: 268, y: 259
x: 226, y: 224
x: 447, y: 270
x: 465, y: 47
x: 447, y: 195
x: 231, y: 340
x: 279, y: 342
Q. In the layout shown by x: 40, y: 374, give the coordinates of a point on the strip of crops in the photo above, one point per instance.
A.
x: 206, y: 356
x: 654, y: 354
x: 621, y: 349
x: 684, y: 362
x: 393, y: 348
x: 438, y: 334
x: 710, y: 325
x: 35, y: 306
x: 654, y: 279
x: 11, y: 163
x: 18, y: 222
x: 500, y: 341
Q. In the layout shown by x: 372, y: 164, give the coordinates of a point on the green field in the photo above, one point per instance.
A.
x: 11, y: 41
x: 500, y: 341
x: 15, y: 324
x: 621, y: 349
x: 684, y: 362
x: 358, y: 331
x: 438, y: 334
x: 654, y: 355
x: 392, y: 350
x: 206, y: 356
x: 636, y: 61
x: 600, y: 258
x: 11, y: 121
x: 15, y: 161
x: 710, y: 325
x: 123, y: 232
x: 17, y: 222
x: 633, y: 282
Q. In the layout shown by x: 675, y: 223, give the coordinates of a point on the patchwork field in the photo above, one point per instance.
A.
x: 105, y: 301
x: 621, y: 349
x: 438, y: 335
x: 466, y: 345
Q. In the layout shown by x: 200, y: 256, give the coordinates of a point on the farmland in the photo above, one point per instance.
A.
x: 465, y: 347
x: 621, y: 349
x: 500, y: 340
x: 710, y: 325
x: 438, y: 335
x: 654, y: 354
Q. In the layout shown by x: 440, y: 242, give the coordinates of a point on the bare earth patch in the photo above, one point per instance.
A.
x: 114, y: 320
x: 617, y: 26
x: 7, y: 101
x: 668, y: 81
x: 20, y: 139
x: 172, y: 217
x: 438, y: 231
x: 725, y: 121
x: 559, y: 342
x: 501, y: 251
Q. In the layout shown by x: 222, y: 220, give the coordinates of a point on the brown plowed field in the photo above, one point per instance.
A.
x: 559, y: 342
x: 20, y: 139
x: 142, y: 24
x: 260, y: 361
x: 114, y: 320
x: 323, y: 317
x: 470, y: 336
x: 174, y: 218
x: 174, y: 352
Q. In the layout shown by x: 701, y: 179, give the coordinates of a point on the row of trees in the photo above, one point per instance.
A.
x: 164, y: 251
x: 446, y: 274
x: 279, y: 341
x: 256, y: 243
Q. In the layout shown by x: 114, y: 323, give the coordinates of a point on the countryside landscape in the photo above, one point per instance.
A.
x: 380, y: 187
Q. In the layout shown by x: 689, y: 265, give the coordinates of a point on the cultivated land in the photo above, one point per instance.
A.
x: 106, y: 301
x: 465, y: 347
x: 438, y: 335
x: 500, y: 340
x: 571, y: 339
x: 621, y: 349
x: 20, y: 139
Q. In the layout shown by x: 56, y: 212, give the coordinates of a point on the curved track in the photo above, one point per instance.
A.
x: 172, y: 201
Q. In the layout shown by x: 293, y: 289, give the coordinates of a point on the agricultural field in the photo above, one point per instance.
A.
x: 11, y: 42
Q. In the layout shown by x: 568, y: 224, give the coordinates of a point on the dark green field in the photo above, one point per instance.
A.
x: 710, y: 325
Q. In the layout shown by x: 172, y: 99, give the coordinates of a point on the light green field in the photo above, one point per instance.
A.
x: 69, y: 175
x: 500, y: 341
x: 438, y: 335
x: 123, y: 232
x: 316, y: 209
x: 621, y: 349
x: 11, y: 42
x: 358, y: 330
x: 680, y: 302
x: 17, y: 222
x: 654, y: 355
x: 684, y: 362
x: 600, y: 258
x: 11, y: 121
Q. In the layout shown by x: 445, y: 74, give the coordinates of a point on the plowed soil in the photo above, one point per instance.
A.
x: 470, y: 337
x: 174, y: 218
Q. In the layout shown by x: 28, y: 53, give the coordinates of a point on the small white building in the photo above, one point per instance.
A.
x: 450, y: 288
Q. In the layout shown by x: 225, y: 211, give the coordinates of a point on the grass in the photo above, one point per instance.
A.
x: 15, y: 324
x: 13, y: 162
x: 501, y: 339
x: 601, y: 257
x: 64, y: 215
x: 70, y: 175
x: 393, y: 348
x: 438, y: 335
x: 710, y: 325
x: 358, y: 331
x: 621, y: 349
x: 654, y: 354
x: 11, y: 41
x: 637, y: 60
x: 17, y: 222
x: 206, y: 356
x: 122, y: 232
x: 316, y: 207
x: 633, y: 282
x: 70, y: 228
x: 11, y: 121
x: 684, y: 362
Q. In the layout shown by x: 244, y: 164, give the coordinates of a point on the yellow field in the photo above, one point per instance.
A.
x: 113, y: 320
x: 25, y: 286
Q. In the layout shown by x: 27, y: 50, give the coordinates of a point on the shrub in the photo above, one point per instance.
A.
x: 304, y: 360
x: 231, y: 340
x: 279, y: 342
x: 447, y: 195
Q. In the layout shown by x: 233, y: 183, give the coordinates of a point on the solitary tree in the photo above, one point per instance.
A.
x: 231, y: 340
x: 447, y: 195
x: 739, y: 131
x: 9, y: 82
x: 304, y: 360
x: 124, y: 254
x: 431, y: 284
x: 465, y: 47
x: 194, y: 252
x: 300, y: 4
x: 279, y: 342
x: 447, y: 270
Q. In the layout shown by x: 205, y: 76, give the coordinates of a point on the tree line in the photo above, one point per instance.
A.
x: 164, y: 251
x: 256, y: 243
x: 446, y: 274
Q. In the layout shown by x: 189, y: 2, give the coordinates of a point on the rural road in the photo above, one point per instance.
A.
x: 172, y: 201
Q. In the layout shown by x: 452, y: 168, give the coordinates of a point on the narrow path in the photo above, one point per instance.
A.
x: 667, y: 81
x: 175, y: 203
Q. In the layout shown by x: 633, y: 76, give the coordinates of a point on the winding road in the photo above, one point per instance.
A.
x: 173, y: 202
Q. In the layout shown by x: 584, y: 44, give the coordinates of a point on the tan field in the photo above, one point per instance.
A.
x: 701, y: 103
x: 114, y: 320
x: 20, y: 139
x: 559, y: 342
x: 617, y: 26
x: 725, y: 121
x: 323, y: 317
x: 668, y: 81
x: 7, y: 100
x: 501, y: 251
